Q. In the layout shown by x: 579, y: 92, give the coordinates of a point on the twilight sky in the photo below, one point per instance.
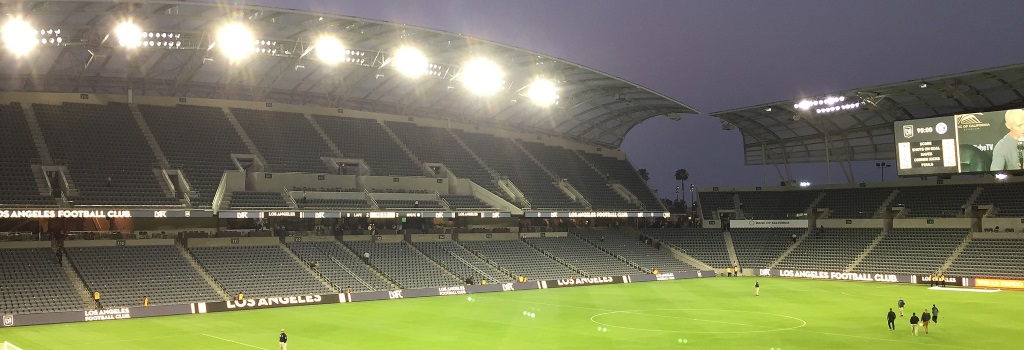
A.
x: 719, y: 55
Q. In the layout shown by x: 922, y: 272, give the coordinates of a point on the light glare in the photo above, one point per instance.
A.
x: 129, y: 35
x: 542, y: 92
x: 410, y: 61
x: 329, y: 50
x: 19, y: 36
x: 483, y: 77
x: 236, y: 41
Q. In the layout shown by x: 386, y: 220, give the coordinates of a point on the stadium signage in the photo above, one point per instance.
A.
x: 282, y: 214
x: 838, y: 276
x: 596, y: 214
x: 50, y: 214
x: 768, y: 223
x: 665, y: 276
x: 950, y: 280
x: 998, y: 283
x: 458, y: 290
x: 395, y: 294
x: 8, y: 320
x: 583, y: 281
x: 108, y: 314
x: 275, y: 301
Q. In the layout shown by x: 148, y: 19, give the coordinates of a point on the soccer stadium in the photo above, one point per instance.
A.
x: 190, y: 175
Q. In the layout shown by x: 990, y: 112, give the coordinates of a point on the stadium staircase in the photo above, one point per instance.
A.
x: 790, y: 249
x: 305, y: 266
x: 394, y: 137
x: 970, y: 201
x: 323, y: 135
x: 571, y: 267
x: 479, y: 161
x: 485, y: 259
x: 148, y: 134
x: 732, y: 250
x: 738, y: 205
x: 595, y: 246
x: 202, y: 271
x: 880, y: 212
x: 37, y: 136
x: 245, y: 137
x: 77, y: 282
x: 436, y: 264
x: 881, y: 235
x: 386, y: 277
x: 624, y: 192
x: 956, y: 253
x: 679, y: 255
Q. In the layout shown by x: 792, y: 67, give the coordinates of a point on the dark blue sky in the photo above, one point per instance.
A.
x: 719, y: 55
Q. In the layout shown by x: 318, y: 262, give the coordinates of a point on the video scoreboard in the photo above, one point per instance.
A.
x: 963, y: 143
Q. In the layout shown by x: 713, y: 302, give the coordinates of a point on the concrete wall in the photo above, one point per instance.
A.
x: 111, y: 242
x: 853, y: 223
x: 546, y: 234
x: 231, y: 241
x: 997, y: 235
x: 306, y: 239
x: 25, y: 245
x: 430, y: 238
x: 484, y: 236
x: 1003, y: 223
x: 936, y: 223
x: 279, y: 181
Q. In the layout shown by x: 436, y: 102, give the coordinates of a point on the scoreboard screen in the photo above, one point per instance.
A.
x: 963, y: 143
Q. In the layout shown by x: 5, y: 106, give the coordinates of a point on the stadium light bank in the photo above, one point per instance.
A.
x: 237, y: 42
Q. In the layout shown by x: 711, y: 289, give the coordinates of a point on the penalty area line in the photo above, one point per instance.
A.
x: 231, y: 341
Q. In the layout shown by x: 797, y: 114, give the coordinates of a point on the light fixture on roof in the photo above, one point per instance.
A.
x: 805, y: 184
x: 542, y: 92
x: 924, y: 85
x: 19, y: 36
x: 129, y: 34
x: 767, y: 109
x: 410, y: 61
x: 482, y: 76
x: 329, y: 50
x: 1002, y: 176
x: 236, y: 41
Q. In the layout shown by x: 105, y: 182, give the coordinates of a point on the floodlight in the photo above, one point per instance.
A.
x: 329, y: 50
x: 482, y: 76
x: 19, y: 36
x: 129, y: 34
x: 805, y: 183
x: 1001, y: 176
x: 542, y: 92
x: 236, y: 41
x: 410, y: 61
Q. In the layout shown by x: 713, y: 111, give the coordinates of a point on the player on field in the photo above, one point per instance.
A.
x: 935, y: 314
x: 757, y: 288
x: 925, y: 318
x: 283, y: 340
x: 891, y: 317
x: 913, y: 324
x: 901, y: 304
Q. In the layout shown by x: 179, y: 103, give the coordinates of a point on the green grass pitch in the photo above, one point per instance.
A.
x: 712, y: 313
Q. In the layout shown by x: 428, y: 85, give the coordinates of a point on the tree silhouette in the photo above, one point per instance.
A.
x: 644, y: 174
x: 682, y: 175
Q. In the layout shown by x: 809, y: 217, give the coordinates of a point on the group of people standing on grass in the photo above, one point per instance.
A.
x: 915, y: 321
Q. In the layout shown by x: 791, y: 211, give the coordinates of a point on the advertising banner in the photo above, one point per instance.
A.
x: 1001, y: 283
x: 837, y: 276
x: 582, y: 281
x: 94, y: 315
x: 768, y: 223
x: 951, y: 281
x: 263, y: 303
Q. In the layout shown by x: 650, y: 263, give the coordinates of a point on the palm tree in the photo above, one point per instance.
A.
x: 682, y: 175
x: 644, y: 174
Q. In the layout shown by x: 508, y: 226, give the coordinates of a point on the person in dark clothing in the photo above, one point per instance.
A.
x: 60, y: 256
x: 925, y: 318
x: 283, y: 340
x: 913, y: 324
x: 901, y: 304
x: 935, y: 314
x: 891, y: 316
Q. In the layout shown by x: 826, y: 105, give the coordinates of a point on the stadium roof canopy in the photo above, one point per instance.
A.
x: 86, y: 58
x: 782, y: 133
